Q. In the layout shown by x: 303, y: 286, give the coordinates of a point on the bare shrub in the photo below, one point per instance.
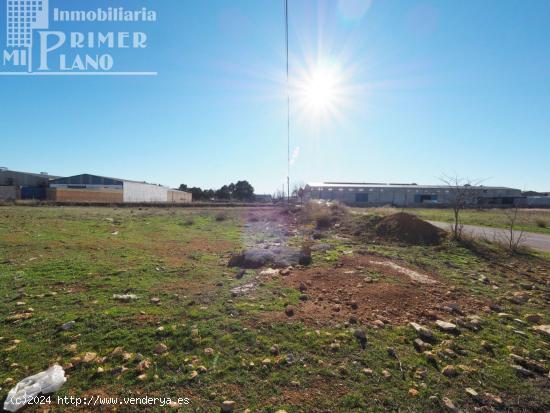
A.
x: 512, y: 237
x: 462, y: 192
x: 221, y: 216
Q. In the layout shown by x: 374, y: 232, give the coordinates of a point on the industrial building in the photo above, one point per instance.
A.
x: 101, y: 189
x: 23, y: 185
x: 409, y: 195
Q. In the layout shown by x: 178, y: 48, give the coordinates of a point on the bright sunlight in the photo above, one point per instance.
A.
x: 319, y: 91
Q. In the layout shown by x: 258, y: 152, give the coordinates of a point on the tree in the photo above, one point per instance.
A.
x: 231, y: 188
x: 208, y: 194
x: 197, y: 193
x: 244, y: 191
x: 461, y: 192
x: 223, y: 193
x: 182, y: 187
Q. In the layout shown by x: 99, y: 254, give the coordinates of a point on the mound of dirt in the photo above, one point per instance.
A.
x: 410, y: 229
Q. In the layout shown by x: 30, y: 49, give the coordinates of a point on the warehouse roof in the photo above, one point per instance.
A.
x: 391, y: 185
x: 89, y: 177
x: 40, y: 175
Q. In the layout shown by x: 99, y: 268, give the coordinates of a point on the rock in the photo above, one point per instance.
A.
x: 240, y: 274
x: 270, y: 272
x: 522, y: 372
x: 420, y: 373
x: 155, y: 300
x: 274, y: 349
x: 449, y: 405
x: 142, y: 377
x: 125, y: 298
x: 367, y: 371
x: 450, y: 371
x: 266, y: 361
x: 89, y: 357
x: 484, y: 279
x: 543, y: 329
x: 472, y: 393
x: 423, y: 332
x: 335, y: 346
x: 450, y: 353
x: 68, y: 326
x: 386, y: 374
x: 143, y: 365
x: 413, y: 392
x: 117, y: 351
x: 519, y: 297
x: 193, y: 374
x: 533, y: 318
x: 289, y: 311
x: 421, y: 346
x: 161, y: 348
x: 447, y: 327
x: 528, y: 364
x: 493, y: 399
x: 209, y: 351
x: 379, y: 323
x: 280, y: 411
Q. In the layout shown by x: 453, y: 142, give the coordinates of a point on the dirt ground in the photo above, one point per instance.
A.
x: 343, y: 293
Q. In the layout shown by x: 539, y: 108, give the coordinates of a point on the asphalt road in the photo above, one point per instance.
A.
x: 529, y: 239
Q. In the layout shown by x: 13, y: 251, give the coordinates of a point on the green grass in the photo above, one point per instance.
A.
x: 66, y: 264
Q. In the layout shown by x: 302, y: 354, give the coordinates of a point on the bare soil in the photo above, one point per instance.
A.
x: 343, y: 293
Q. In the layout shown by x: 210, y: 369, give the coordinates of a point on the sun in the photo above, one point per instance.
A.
x: 319, y: 91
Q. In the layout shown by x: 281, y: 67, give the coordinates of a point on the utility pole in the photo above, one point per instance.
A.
x: 287, y: 106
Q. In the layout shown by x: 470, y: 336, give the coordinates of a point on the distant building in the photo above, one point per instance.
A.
x: 537, y: 201
x: 25, y: 185
x: 101, y: 189
x: 377, y: 194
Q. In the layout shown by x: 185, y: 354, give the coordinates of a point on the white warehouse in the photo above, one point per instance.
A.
x: 101, y: 189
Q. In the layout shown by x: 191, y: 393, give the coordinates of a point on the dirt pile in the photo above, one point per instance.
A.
x: 410, y: 229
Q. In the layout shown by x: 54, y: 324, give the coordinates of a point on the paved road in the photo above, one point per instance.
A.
x: 530, y: 239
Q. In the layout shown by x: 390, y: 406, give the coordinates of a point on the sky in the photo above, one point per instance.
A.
x: 380, y: 91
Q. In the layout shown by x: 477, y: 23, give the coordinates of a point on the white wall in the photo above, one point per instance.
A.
x: 139, y: 192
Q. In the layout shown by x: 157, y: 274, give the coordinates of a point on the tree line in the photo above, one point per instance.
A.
x: 241, y: 191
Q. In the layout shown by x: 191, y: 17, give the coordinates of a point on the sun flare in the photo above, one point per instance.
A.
x: 319, y: 91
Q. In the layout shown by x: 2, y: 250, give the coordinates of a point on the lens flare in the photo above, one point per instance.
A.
x: 319, y: 91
